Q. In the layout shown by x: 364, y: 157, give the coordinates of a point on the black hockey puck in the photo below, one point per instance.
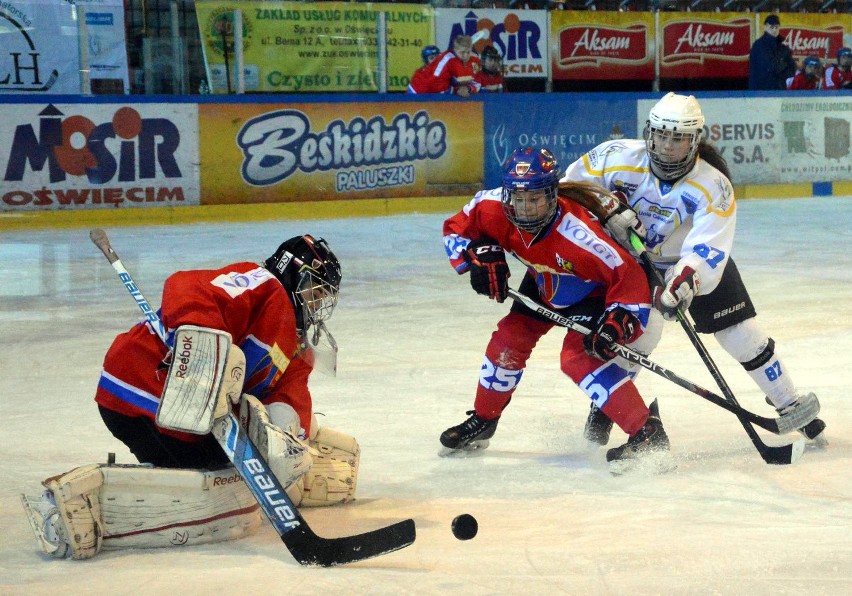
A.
x: 465, y: 526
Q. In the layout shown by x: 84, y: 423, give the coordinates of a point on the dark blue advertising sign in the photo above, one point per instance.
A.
x: 568, y: 125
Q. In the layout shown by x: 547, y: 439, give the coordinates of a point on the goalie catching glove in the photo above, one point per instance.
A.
x: 489, y: 272
x: 620, y: 220
x: 615, y: 326
x: 678, y: 293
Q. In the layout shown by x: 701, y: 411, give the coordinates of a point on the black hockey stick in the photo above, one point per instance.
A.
x: 305, y: 546
x: 795, y: 449
x: 785, y: 454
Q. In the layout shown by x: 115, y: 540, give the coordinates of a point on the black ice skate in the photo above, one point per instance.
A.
x: 597, y: 427
x: 648, y: 449
x: 471, y: 435
x: 804, y: 408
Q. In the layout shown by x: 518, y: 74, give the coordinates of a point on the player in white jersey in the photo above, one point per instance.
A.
x: 677, y: 196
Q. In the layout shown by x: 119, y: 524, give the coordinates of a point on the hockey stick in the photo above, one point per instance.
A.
x: 770, y: 424
x: 305, y: 546
x: 796, y: 448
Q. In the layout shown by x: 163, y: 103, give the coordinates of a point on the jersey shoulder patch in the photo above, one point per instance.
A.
x: 237, y: 282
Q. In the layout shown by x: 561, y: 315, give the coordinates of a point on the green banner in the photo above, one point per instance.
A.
x: 298, y: 47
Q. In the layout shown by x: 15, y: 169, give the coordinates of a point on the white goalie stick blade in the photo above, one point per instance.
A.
x: 195, y: 375
x: 305, y: 546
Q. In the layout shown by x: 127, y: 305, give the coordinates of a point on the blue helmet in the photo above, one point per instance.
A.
x: 428, y: 53
x: 529, y: 170
x: 811, y: 65
x: 844, y: 57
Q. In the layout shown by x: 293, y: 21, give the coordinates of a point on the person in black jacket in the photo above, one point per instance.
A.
x: 770, y: 62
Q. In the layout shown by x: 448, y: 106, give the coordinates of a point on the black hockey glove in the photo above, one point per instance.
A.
x: 489, y: 272
x: 615, y: 326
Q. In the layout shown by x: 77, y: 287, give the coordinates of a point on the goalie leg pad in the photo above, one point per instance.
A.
x: 114, y: 507
x: 66, y: 519
x: 205, y: 373
x: 334, y: 475
x: 288, y: 457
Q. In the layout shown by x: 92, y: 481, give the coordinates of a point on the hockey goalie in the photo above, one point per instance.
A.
x: 243, y: 339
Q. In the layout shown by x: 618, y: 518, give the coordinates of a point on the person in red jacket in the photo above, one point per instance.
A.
x: 839, y: 76
x: 490, y: 77
x: 572, y: 266
x: 452, y: 71
x: 809, y: 77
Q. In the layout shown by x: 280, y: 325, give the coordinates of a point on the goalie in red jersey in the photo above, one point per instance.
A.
x: 573, y: 267
x: 273, y: 318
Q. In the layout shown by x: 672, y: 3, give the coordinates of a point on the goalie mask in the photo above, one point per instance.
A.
x: 673, y: 131
x: 492, y: 61
x: 530, y: 180
x: 308, y: 269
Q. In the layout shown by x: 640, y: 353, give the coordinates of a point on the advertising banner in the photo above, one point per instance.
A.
x: 519, y: 35
x: 299, y: 47
x: 80, y: 156
x: 806, y: 35
x: 697, y: 45
x: 569, y: 128
x: 597, y: 45
x: 269, y: 153
x: 40, y: 49
x: 778, y: 140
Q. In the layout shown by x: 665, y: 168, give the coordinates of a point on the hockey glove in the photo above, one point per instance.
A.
x: 678, y: 292
x: 489, y: 272
x: 620, y: 219
x: 615, y: 326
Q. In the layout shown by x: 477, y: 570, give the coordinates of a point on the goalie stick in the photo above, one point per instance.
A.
x: 306, y: 547
x: 785, y: 454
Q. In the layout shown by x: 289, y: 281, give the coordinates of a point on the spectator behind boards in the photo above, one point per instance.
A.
x: 451, y: 72
x: 839, y: 76
x: 770, y: 61
x: 809, y: 77
x: 490, y: 77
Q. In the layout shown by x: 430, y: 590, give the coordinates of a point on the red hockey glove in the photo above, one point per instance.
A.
x: 615, y: 326
x: 489, y: 272
x: 620, y: 219
x: 678, y: 293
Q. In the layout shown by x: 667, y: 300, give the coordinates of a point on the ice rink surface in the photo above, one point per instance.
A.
x: 411, y: 334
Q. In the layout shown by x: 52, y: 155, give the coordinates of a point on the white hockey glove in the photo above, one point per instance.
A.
x: 334, y: 475
x: 621, y: 220
x: 678, y: 293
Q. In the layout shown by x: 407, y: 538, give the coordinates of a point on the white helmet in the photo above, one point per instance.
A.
x: 674, y: 117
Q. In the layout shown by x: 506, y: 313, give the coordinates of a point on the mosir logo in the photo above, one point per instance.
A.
x: 276, y: 144
x: 602, y: 44
x: 692, y: 41
x: 125, y: 149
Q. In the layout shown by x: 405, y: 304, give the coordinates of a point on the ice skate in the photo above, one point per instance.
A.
x: 805, y: 408
x: 647, y: 449
x: 598, y: 426
x: 471, y: 435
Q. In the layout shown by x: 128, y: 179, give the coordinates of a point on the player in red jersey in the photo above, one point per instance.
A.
x: 572, y: 266
x: 490, y: 77
x: 808, y: 77
x: 452, y: 71
x: 839, y: 76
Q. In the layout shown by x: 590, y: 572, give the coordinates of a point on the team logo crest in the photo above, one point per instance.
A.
x: 522, y: 168
x: 565, y: 265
